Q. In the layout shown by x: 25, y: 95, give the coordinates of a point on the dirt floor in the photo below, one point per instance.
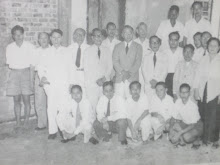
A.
x: 28, y: 146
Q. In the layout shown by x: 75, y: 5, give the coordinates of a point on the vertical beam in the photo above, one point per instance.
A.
x: 122, y: 9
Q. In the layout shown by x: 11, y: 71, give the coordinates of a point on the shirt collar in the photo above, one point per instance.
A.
x: 129, y: 44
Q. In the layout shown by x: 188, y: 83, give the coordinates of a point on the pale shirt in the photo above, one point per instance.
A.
x: 110, y: 44
x: 188, y: 113
x: 163, y: 107
x: 20, y: 57
x: 95, y: 68
x: 208, y: 72
x: 173, y: 58
x: 117, y: 108
x: 198, y: 54
x: 185, y: 73
x: 145, y: 46
x: 192, y: 27
x: 165, y: 28
x: 159, y: 72
x: 55, y: 65
x: 136, y: 108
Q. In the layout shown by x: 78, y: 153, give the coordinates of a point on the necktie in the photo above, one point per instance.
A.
x: 108, y: 109
x: 126, y: 49
x: 78, y: 116
x: 78, y: 57
x: 99, y: 53
x: 155, y: 59
x: 204, y: 53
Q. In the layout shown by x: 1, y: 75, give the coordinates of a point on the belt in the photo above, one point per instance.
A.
x: 80, y: 69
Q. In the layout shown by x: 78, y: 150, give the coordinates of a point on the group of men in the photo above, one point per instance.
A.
x: 138, y: 88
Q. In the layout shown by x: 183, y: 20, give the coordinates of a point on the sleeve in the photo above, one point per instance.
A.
x: 100, y: 109
x: 176, y: 78
x: 134, y: 69
x: 116, y: 59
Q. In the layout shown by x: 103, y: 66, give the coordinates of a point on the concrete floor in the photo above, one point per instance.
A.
x: 25, y: 147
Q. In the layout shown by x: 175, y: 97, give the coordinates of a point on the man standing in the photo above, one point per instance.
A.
x: 55, y: 72
x: 127, y: 57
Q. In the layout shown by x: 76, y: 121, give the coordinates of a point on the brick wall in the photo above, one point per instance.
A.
x: 35, y: 16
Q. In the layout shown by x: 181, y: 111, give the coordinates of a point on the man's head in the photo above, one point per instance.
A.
x: 155, y: 43
x: 161, y: 89
x: 174, y: 38
x: 111, y: 29
x: 43, y: 39
x: 79, y: 36
x: 76, y: 93
x: 213, y: 46
x: 205, y: 37
x: 188, y: 52
x: 127, y: 33
x: 142, y: 30
x: 197, y: 39
x: 173, y: 12
x: 97, y: 36
x: 135, y: 89
x: 184, y: 92
x: 56, y: 37
x: 17, y: 33
x: 197, y: 9
x: 108, y: 89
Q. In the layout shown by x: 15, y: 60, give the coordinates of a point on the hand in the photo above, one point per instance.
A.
x: 126, y: 75
x: 196, y: 95
x: 175, y: 97
x: 106, y: 126
x: 134, y: 135
x: 43, y: 81
x: 153, y: 83
x: 101, y: 81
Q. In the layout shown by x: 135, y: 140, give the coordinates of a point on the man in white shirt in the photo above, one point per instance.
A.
x: 185, y: 126
x: 127, y: 57
x: 56, y: 75
x: 174, y: 56
x: 40, y: 98
x: 144, y: 42
x: 111, y: 115
x: 137, y: 113
x: 155, y: 66
x: 78, y: 119
x: 19, y: 57
x: 204, y: 39
x: 196, y: 24
x: 111, y: 41
x: 77, y: 49
x: 199, y: 51
x: 168, y: 26
x: 97, y: 67
x: 161, y: 109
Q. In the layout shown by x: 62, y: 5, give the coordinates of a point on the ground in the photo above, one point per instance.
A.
x: 28, y: 146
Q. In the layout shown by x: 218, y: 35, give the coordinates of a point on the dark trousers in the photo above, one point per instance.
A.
x: 169, y: 84
x: 119, y: 127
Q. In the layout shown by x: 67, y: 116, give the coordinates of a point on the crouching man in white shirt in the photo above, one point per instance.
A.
x: 138, y: 113
x: 111, y: 115
x: 78, y: 119
x: 185, y: 126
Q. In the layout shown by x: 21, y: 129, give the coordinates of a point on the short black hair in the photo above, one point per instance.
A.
x: 154, y: 36
x: 135, y: 83
x: 110, y: 24
x: 76, y: 87
x: 108, y: 83
x: 96, y: 29
x: 56, y: 31
x: 189, y: 46
x: 197, y: 3
x: 196, y: 34
x: 39, y: 34
x: 161, y: 83
x: 174, y: 33
x: 184, y: 85
x: 174, y: 7
x: 214, y: 39
x: 17, y: 27
x: 206, y: 32
x: 128, y: 27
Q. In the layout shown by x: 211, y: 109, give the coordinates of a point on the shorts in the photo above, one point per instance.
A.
x: 19, y: 82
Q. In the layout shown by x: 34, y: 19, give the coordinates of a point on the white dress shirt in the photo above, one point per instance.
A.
x: 192, y: 27
x: 20, y: 57
x: 136, y: 108
x: 163, y: 107
x: 198, y: 54
x: 117, y: 108
x: 96, y: 68
x: 165, y: 28
x: 188, y: 113
x: 173, y: 58
x: 208, y: 72
x: 110, y: 44
x: 145, y: 46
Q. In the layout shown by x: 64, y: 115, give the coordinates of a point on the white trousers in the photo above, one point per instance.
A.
x: 57, y: 100
x: 93, y: 94
x: 148, y: 90
x: 122, y: 89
